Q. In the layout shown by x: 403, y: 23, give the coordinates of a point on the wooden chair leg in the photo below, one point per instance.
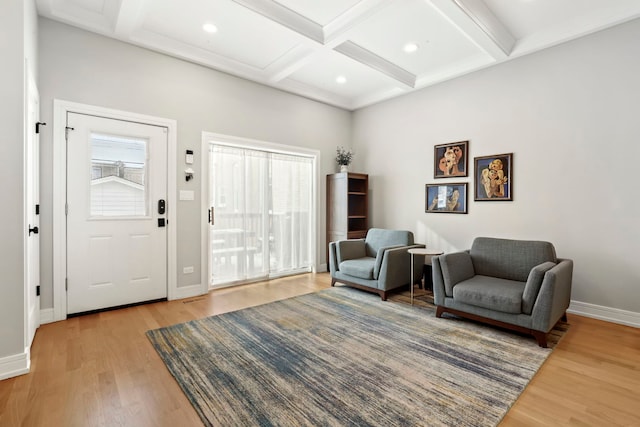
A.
x: 541, y: 337
x: 564, y: 317
x: 439, y: 311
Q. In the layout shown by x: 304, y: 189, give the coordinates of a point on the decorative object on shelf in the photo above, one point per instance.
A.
x: 451, y: 160
x: 448, y: 198
x: 344, y: 158
x: 494, y: 178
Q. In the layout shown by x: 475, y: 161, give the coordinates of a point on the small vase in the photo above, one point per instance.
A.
x: 344, y: 168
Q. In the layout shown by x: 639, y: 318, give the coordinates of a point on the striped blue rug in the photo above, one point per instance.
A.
x: 343, y: 357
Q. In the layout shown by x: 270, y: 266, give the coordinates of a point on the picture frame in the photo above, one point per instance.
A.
x: 446, y: 198
x: 493, y: 178
x: 451, y: 160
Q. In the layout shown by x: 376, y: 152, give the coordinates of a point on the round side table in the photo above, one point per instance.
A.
x: 423, y: 252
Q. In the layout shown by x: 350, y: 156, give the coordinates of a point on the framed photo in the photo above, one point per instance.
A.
x: 494, y: 177
x: 446, y: 198
x: 451, y: 160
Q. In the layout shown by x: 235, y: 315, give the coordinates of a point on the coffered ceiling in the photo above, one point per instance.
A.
x: 347, y: 53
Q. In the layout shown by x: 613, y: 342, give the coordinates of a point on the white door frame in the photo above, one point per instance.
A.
x: 254, y: 144
x: 60, y: 110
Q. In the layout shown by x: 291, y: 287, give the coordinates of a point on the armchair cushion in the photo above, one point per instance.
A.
x: 534, y: 282
x: 350, y: 249
x: 456, y: 267
x: 509, y: 259
x: 379, y: 238
x: 491, y: 292
x: 361, y: 267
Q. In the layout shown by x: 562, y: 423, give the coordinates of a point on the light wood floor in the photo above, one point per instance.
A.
x: 100, y: 369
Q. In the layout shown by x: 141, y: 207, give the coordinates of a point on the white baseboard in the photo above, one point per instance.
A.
x: 47, y: 315
x: 14, y: 365
x: 623, y: 317
x: 187, y: 292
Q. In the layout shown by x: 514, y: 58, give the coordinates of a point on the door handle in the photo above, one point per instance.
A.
x: 161, y: 206
x: 33, y: 230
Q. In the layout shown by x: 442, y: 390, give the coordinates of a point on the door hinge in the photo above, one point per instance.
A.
x: 37, y: 209
x: 38, y: 290
x: 66, y: 208
x: 66, y: 284
x: 38, y: 124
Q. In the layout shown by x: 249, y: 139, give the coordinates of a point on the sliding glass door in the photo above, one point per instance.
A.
x: 262, y: 222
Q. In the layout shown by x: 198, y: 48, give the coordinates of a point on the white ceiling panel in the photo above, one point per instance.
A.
x: 328, y: 65
x: 439, y: 42
x: 302, y: 45
x: 242, y: 35
x: 538, y: 24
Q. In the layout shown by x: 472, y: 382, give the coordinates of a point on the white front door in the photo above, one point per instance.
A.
x: 116, y: 212
x: 32, y: 209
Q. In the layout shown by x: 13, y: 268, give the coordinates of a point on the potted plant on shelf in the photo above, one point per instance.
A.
x: 344, y: 158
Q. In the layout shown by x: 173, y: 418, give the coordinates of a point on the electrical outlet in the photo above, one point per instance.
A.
x: 187, y: 270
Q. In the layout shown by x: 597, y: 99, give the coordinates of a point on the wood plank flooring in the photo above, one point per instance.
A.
x: 100, y: 369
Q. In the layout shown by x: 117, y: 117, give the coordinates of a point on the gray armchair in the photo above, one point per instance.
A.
x: 515, y: 284
x: 379, y: 263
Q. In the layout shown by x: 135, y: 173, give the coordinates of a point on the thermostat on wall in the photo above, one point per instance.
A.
x: 189, y: 157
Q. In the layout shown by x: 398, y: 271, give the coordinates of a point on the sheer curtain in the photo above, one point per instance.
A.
x: 263, y: 207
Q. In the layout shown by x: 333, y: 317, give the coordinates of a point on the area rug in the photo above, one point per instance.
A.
x: 343, y: 357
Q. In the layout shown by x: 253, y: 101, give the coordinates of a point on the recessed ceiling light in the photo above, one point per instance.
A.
x: 410, y: 47
x: 210, y: 28
x: 341, y: 79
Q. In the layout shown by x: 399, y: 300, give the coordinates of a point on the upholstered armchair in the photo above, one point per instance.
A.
x: 378, y: 263
x: 515, y: 284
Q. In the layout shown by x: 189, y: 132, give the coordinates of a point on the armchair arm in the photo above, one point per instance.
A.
x: 532, y: 287
x: 554, y: 296
x: 333, y: 261
x: 438, y: 281
x: 395, y: 266
x: 350, y: 249
x: 455, y: 268
x: 379, y: 257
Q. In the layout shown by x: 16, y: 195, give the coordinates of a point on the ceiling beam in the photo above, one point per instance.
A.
x: 474, y: 19
x: 376, y: 62
x: 286, y: 17
x: 335, y: 32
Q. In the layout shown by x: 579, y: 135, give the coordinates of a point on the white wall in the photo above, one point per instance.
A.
x: 570, y: 115
x: 87, y: 68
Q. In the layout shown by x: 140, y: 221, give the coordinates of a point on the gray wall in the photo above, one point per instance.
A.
x: 11, y: 176
x: 83, y: 67
x: 17, y: 43
x: 570, y: 116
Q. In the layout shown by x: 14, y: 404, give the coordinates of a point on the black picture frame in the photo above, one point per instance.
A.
x: 493, y: 178
x: 446, y: 198
x: 451, y: 160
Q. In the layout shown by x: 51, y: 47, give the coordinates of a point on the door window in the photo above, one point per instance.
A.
x: 118, y: 176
